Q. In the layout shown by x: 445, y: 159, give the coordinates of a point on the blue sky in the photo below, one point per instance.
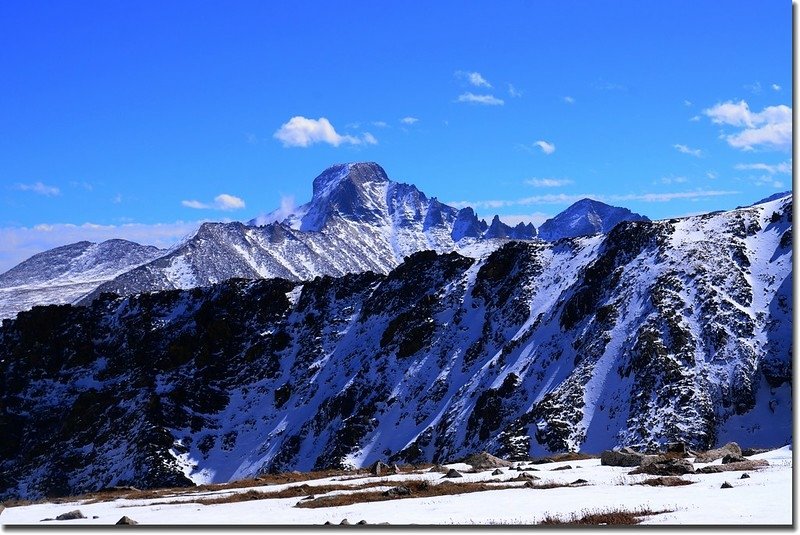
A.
x: 139, y: 119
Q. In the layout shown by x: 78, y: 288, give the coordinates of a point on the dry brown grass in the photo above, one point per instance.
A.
x: 613, y: 517
x: 665, y: 481
x: 419, y: 489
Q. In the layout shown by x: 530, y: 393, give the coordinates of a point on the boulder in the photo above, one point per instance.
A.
x: 394, y: 469
x: 745, y: 476
x: 525, y: 476
x: 361, y: 522
x: 452, y: 473
x: 726, y: 485
x: 344, y: 522
x: 628, y: 458
x: 485, y: 461
x: 379, y: 469
x: 72, y: 515
x: 125, y: 521
x: 579, y: 482
x: 565, y: 467
x: 676, y: 447
x: 733, y: 467
x: 719, y: 453
x: 497, y: 472
x: 529, y: 484
x: 660, y: 466
x: 398, y: 491
x: 733, y: 458
x: 747, y: 452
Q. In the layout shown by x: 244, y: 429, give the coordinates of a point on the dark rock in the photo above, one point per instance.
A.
x: 344, y: 522
x: 72, y: 515
x: 394, y: 469
x: 745, y: 476
x: 125, y: 521
x: 497, y: 472
x: 542, y: 460
x: 733, y: 458
x: 453, y: 473
x: 579, y: 482
x: 733, y: 467
x: 309, y: 497
x: 525, y: 476
x: 398, y: 491
x: 726, y: 485
x: 95, y: 517
x: 659, y: 466
x: 676, y: 447
x: 362, y: 522
x: 327, y: 523
x: 484, y: 461
x: 621, y: 458
x: 559, y: 468
x: 529, y: 484
x: 719, y: 453
x: 747, y: 452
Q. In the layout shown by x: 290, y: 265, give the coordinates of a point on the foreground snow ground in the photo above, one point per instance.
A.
x: 763, y: 499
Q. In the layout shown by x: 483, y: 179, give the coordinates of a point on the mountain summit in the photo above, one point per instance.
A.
x: 584, y: 218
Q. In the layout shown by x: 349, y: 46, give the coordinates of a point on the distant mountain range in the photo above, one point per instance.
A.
x: 357, y: 220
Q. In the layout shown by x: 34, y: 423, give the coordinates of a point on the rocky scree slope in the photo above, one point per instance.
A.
x: 656, y: 332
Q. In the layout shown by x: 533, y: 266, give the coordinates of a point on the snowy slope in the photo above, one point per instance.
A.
x: 657, y: 331
x: 65, y: 274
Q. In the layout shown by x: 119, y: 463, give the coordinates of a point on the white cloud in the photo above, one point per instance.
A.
x: 569, y: 100
x: 767, y: 180
x: 548, y: 182
x: 673, y: 180
x: 409, y: 120
x: 753, y: 88
x: 776, y: 87
x: 513, y: 91
x: 694, y: 118
x: 537, y: 218
x: 474, y: 78
x: 301, y: 132
x: 380, y: 124
x: 782, y: 168
x: 287, y: 208
x: 687, y: 103
x: 686, y: 150
x: 488, y: 100
x: 39, y: 188
x: 712, y: 175
x: 769, y: 128
x: 547, y: 148
x: 20, y: 243
x: 223, y: 201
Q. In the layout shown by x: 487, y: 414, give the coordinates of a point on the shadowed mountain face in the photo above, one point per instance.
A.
x: 584, y: 218
x: 654, y: 332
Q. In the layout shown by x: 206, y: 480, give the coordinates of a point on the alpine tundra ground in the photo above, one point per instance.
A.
x: 573, y: 491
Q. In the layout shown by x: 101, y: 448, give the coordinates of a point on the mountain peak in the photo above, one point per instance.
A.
x: 355, y: 173
x: 586, y: 217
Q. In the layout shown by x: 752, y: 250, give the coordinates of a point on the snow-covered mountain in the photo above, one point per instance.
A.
x: 656, y: 331
x: 357, y: 220
x: 65, y: 274
x: 584, y: 218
